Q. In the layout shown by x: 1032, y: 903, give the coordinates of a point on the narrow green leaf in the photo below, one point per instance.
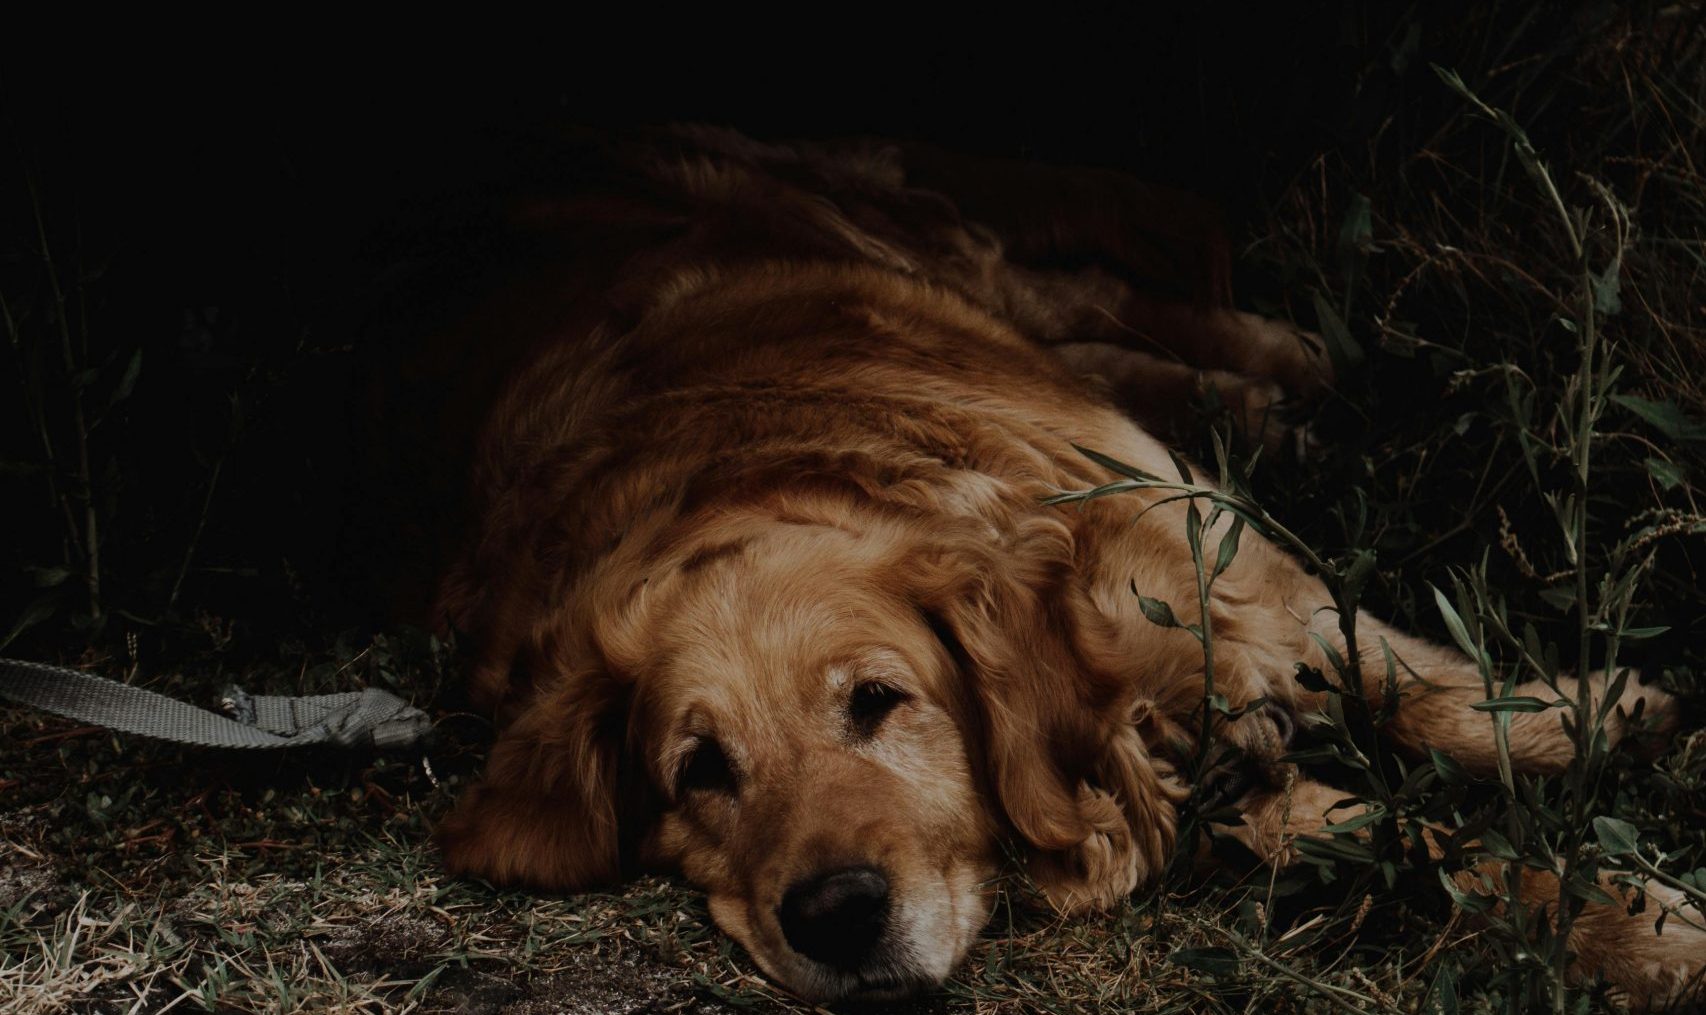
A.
x: 1515, y: 703
x: 1332, y: 654
x: 1335, y: 849
x: 1158, y: 612
x: 1228, y: 546
x: 1454, y: 624
x: 1616, y: 836
x: 1342, y: 349
x: 1221, y: 461
x: 1613, y: 690
x: 1450, y: 772
x: 1362, y: 820
x: 1356, y: 232
x: 1670, y: 420
x: 1357, y: 573
x: 1669, y: 475
x: 1442, y: 997
x: 1389, y: 683
x: 49, y: 577
x: 1497, y: 845
x: 1116, y: 466
x: 127, y: 382
x: 1606, y: 286
x: 1563, y: 597
x: 1312, y: 755
x: 38, y: 611
x: 1587, y: 891
x: 1531, y: 641
x: 1181, y: 465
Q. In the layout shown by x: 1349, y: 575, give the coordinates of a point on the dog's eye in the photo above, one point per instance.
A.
x: 708, y: 769
x: 870, y: 705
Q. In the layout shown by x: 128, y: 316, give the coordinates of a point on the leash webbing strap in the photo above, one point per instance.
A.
x: 371, y: 717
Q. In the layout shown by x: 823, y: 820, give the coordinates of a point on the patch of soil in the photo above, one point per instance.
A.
x: 628, y: 984
x: 392, y: 944
x: 25, y: 876
x: 21, y: 881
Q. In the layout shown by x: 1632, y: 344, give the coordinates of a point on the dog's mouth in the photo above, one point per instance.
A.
x: 885, y: 977
x: 883, y: 981
x: 886, y: 986
x: 841, y: 938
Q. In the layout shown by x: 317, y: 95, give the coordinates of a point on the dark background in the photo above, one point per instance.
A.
x: 228, y: 205
x: 229, y: 196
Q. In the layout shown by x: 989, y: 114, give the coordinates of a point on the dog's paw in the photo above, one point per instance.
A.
x: 1644, y: 719
x: 1265, y: 412
x: 1098, y: 872
x: 1291, y: 356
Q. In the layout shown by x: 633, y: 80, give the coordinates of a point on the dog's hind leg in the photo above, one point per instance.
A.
x: 1166, y: 396
x: 1049, y: 216
x: 1121, y: 261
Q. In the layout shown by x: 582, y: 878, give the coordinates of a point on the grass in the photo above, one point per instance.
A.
x: 1507, y: 263
x: 138, y: 875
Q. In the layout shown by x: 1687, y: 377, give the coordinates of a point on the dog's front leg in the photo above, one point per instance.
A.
x: 1438, y: 687
x: 1651, y: 969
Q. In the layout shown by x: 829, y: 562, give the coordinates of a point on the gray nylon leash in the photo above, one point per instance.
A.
x: 369, y: 718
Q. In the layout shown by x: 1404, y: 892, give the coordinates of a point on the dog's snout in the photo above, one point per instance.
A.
x: 837, y: 917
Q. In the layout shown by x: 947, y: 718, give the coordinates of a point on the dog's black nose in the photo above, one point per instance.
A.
x: 836, y: 917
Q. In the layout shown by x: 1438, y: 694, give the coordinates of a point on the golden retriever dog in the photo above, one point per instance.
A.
x: 762, y: 587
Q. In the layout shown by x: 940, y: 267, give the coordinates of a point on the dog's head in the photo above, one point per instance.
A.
x: 828, y: 727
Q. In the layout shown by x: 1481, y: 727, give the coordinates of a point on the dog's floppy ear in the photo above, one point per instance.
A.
x: 561, y: 803
x: 1058, y: 739
x: 546, y: 813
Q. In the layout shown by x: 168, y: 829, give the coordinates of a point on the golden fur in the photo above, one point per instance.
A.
x: 761, y: 584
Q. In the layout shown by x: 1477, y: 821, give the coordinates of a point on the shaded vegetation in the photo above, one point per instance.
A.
x: 1507, y: 255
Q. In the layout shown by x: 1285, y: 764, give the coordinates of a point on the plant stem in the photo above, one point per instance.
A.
x: 91, y: 527
x: 1206, y: 626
